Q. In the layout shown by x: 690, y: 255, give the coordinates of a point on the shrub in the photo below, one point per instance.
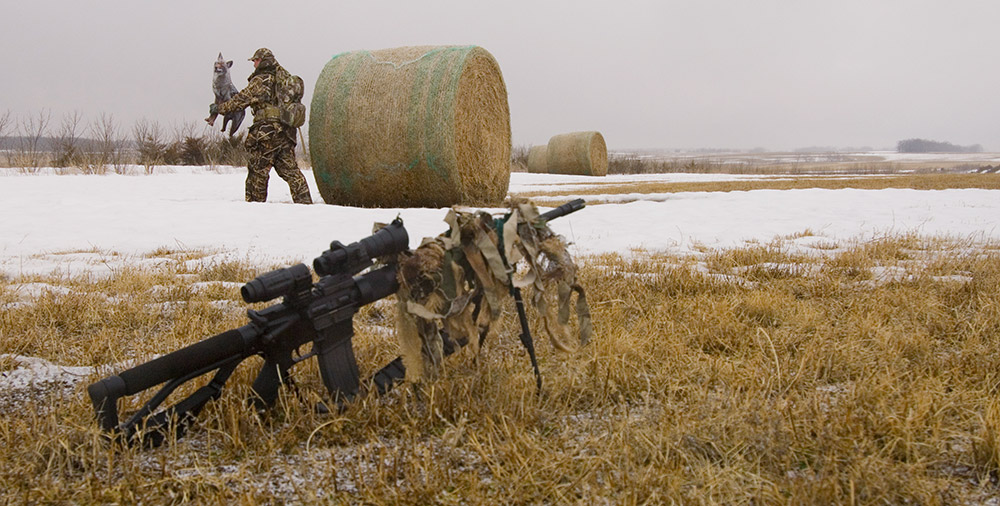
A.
x: 192, y: 151
x: 928, y: 146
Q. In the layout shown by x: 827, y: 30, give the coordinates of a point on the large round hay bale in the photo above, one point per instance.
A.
x: 411, y: 127
x: 537, y: 160
x: 582, y: 153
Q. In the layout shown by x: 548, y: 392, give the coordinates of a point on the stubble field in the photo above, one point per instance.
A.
x: 865, y: 374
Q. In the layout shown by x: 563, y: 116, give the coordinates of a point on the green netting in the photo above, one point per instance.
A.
x: 411, y: 127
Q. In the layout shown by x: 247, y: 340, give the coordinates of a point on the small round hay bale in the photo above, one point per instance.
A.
x: 424, y: 126
x: 581, y: 153
x: 537, y: 160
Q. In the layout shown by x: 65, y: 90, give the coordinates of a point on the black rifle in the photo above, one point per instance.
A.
x: 320, y: 313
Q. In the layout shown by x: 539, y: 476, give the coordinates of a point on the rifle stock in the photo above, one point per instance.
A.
x: 206, y: 356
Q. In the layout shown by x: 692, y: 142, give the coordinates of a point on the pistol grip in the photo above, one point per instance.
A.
x: 272, y: 375
x: 338, y: 368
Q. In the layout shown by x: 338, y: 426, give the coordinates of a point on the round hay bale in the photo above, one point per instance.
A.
x: 537, y: 163
x: 425, y: 126
x: 581, y: 153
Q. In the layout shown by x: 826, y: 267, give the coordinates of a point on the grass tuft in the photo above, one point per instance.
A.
x: 863, y: 374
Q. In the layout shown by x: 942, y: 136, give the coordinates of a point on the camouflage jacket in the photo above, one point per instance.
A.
x: 258, y: 94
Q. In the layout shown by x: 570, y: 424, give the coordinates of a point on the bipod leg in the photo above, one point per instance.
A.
x: 526, y: 340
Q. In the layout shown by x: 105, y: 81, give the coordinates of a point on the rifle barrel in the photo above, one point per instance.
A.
x: 567, y: 208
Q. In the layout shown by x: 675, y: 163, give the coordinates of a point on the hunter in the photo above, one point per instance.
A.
x: 269, y: 142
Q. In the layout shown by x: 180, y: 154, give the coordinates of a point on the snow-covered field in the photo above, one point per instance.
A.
x: 96, y: 224
x: 74, y: 223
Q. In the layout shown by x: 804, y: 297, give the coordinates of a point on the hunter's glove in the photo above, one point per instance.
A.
x: 213, y: 108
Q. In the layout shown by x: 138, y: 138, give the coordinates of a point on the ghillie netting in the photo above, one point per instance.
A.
x: 452, y: 286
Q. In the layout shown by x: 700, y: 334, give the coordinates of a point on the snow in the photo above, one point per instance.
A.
x: 74, y: 223
x: 95, y: 224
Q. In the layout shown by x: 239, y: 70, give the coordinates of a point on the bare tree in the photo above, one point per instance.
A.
x: 148, y: 138
x: 184, y: 130
x: 31, y: 131
x: 4, y: 123
x: 519, y: 156
x: 67, y: 142
x: 110, y: 147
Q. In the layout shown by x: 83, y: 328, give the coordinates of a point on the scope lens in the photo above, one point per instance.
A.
x: 389, y: 239
x: 277, y: 283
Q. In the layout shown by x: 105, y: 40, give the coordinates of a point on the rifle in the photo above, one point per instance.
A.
x: 320, y: 313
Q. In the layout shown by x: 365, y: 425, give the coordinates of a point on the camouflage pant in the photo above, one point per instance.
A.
x: 270, y: 146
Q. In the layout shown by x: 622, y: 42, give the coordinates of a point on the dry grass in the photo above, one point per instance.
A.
x: 865, y: 375
x: 911, y: 181
x: 800, y: 164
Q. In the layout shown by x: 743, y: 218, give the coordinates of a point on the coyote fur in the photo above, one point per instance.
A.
x: 223, y: 88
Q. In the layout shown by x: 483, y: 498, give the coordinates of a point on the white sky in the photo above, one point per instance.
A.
x: 110, y: 221
x: 777, y: 74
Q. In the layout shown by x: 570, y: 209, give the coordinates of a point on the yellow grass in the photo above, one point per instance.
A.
x: 865, y: 375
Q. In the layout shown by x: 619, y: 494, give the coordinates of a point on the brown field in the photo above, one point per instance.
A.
x: 801, y: 164
x: 910, y: 181
x: 860, y: 375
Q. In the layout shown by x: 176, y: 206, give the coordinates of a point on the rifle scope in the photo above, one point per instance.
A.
x: 356, y: 256
x: 287, y: 281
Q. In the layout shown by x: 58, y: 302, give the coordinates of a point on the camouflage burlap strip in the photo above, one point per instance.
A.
x: 452, y: 277
x: 551, y: 268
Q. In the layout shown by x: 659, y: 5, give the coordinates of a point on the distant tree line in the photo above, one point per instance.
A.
x: 103, y: 145
x: 929, y: 146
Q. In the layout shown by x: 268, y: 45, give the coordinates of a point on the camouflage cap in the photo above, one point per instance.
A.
x: 262, y: 53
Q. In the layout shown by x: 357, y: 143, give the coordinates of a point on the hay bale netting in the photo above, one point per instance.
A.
x: 537, y: 163
x: 581, y: 153
x: 411, y: 127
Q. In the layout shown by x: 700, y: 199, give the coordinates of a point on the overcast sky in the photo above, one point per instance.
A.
x: 776, y: 74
